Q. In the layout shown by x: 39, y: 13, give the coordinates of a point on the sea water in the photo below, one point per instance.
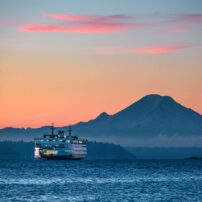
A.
x: 88, y: 180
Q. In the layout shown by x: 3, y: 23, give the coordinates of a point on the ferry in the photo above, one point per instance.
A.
x: 60, y: 146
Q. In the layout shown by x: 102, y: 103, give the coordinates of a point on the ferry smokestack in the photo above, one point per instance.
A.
x: 70, y: 130
x: 52, y: 129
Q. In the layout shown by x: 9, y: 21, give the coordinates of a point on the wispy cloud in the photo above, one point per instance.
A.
x: 84, y: 24
x: 94, y: 24
x: 145, y: 50
x: 161, y: 49
x: 85, y: 28
x: 94, y: 18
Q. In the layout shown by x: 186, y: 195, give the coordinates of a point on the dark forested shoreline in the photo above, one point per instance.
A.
x: 20, y: 149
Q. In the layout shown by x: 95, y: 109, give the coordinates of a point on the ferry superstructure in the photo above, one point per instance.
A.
x: 60, y: 146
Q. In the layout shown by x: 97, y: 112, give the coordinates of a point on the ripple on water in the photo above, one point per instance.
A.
x: 100, y: 181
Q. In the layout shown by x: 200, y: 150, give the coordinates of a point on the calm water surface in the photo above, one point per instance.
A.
x: 138, y: 180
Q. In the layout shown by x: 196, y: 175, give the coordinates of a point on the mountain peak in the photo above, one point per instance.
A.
x: 103, y: 115
x: 153, y: 100
x: 156, y: 97
x: 149, y: 96
x: 146, y: 103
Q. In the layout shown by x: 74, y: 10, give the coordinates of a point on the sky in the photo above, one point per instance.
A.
x: 66, y: 61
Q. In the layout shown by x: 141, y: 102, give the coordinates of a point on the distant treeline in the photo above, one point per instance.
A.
x: 15, y: 150
x: 97, y: 150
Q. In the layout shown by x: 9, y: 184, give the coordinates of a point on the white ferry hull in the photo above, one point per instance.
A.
x: 60, y: 146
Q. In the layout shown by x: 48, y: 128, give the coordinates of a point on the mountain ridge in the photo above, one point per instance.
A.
x: 151, y: 116
x: 150, y: 113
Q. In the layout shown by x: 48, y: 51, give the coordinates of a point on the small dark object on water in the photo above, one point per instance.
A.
x: 194, y: 158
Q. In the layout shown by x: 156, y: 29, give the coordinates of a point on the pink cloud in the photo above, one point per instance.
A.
x: 147, y: 50
x: 68, y: 17
x: 161, y: 49
x: 94, y: 24
x: 85, y: 28
x: 84, y: 24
